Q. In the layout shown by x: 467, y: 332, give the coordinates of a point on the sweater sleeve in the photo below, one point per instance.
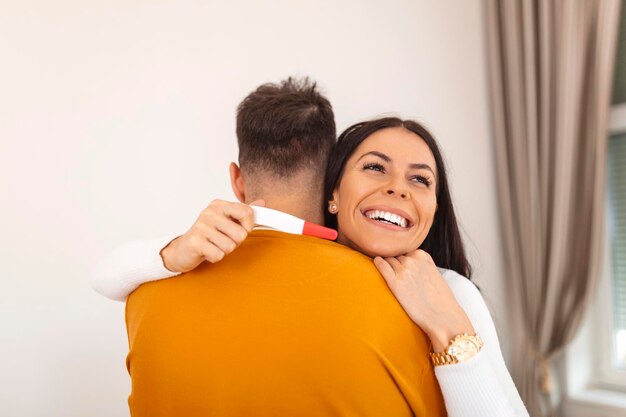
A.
x: 481, y: 386
x: 120, y: 272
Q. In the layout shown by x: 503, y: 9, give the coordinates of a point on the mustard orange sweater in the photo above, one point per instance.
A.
x: 285, y: 325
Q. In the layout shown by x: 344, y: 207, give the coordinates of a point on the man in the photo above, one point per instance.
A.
x: 286, y: 324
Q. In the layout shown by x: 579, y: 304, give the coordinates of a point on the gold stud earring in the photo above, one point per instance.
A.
x: 332, y: 207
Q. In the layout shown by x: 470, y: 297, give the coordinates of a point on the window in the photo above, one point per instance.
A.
x: 617, y: 240
x: 595, y: 363
x: 612, y: 353
x: 614, y: 367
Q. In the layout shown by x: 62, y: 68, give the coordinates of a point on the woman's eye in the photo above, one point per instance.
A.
x: 421, y: 179
x: 374, y: 167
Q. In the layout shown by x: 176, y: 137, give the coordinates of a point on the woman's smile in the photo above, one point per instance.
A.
x: 388, y: 218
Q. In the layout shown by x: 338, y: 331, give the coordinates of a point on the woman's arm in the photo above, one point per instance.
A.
x: 446, y: 306
x: 219, y: 230
x: 127, y: 267
x: 482, y: 385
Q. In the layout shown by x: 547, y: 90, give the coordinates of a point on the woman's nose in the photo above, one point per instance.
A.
x: 401, y: 194
x: 395, y: 188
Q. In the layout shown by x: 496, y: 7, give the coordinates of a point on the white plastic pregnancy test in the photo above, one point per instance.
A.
x: 284, y: 222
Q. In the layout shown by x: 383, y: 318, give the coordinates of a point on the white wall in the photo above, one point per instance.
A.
x: 117, y: 122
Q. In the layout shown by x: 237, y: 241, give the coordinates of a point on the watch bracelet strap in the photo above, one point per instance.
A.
x: 442, y: 358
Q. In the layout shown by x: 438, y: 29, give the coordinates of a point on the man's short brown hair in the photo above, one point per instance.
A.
x: 282, y: 128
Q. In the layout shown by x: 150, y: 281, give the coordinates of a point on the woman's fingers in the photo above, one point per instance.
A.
x: 212, y: 244
x: 223, y: 241
x: 392, y: 271
x: 226, y: 224
x: 217, y: 231
x: 384, y: 268
x: 212, y: 253
x: 420, y: 254
x: 395, y: 264
x: 220, y: 211
x: 236, y: 232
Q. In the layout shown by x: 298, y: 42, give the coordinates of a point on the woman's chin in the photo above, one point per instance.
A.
x: 383, y: 250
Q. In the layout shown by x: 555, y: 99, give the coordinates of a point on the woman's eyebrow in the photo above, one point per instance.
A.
x: 388, y: 159
x: 376, y: 153
x: 422, y: 166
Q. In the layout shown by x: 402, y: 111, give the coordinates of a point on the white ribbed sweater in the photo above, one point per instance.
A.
x: 479, y: 387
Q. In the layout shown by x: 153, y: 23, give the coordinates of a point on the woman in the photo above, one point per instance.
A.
x: 387, y: 193
x: 395, y: 167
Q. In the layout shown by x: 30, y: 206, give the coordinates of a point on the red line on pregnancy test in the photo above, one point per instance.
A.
x: 312, y: 229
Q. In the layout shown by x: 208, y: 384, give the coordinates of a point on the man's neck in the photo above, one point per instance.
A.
x: 300, y: 194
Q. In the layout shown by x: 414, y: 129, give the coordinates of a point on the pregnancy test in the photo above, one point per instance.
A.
x: 284, y: 222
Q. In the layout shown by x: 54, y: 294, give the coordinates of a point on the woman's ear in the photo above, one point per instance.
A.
x: 236, y: 182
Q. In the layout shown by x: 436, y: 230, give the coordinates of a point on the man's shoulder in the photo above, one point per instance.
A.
x: 278, y: 256
x: 269, y: 260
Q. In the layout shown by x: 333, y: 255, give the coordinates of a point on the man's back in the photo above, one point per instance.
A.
x: 285, y: 325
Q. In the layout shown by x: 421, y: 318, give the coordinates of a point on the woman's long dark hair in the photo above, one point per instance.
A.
x: 443, y: 242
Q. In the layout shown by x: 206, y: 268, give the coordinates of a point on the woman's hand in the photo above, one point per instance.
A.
x: 418, y: 286
x: 219, y: 230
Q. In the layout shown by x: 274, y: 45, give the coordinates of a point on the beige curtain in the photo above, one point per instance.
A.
x: 551, y: 65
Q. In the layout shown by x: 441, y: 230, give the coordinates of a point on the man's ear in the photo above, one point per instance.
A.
x: 236, y: 182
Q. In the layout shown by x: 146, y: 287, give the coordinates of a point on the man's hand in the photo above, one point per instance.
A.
x: 219, y: 230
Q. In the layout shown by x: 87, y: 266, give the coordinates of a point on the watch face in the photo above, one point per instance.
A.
x: 463, y: 349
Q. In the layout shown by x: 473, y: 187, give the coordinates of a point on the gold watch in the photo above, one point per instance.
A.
x: 460, y: 349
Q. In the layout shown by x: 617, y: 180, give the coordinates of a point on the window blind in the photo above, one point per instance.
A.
x: 617, y: 224
x: 619, y: 82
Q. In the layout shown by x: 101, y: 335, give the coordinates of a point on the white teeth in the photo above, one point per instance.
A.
x: 388, y: 217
